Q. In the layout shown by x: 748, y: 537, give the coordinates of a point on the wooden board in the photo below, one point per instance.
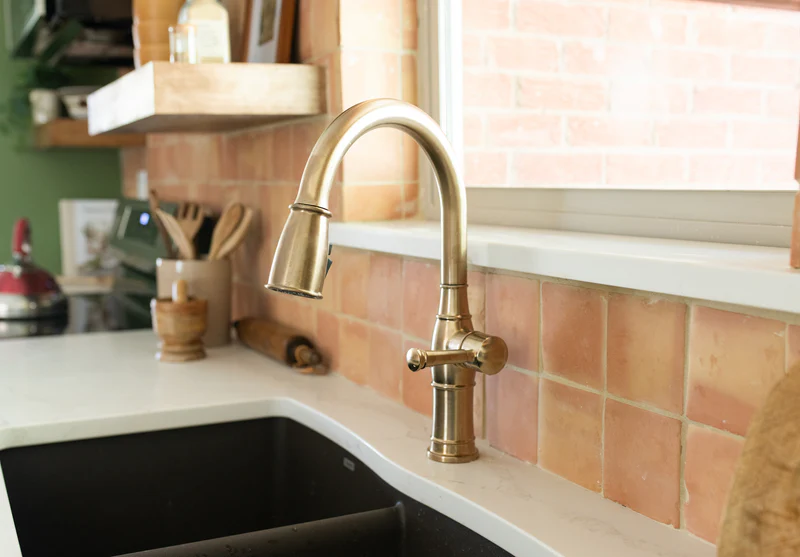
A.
x: 762, y: 518
x: 66, y: 133
x: 164, y: 97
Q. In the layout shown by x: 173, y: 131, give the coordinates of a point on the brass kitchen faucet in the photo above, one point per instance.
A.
x: 301, y: 264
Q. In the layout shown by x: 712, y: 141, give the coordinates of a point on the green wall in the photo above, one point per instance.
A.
x: 32, y: 182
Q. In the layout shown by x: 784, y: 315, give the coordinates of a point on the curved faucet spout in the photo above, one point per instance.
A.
x: 301, y: 263
x: 313, y: 198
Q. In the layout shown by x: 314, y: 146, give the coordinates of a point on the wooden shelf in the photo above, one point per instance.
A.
x: 66, y: 133
x: 164, y: 97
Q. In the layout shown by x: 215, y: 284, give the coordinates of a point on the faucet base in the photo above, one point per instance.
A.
x: 452, y: 458
x: 452, y: 452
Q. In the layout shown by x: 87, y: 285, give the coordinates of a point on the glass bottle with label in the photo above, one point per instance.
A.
x: 212, y: 35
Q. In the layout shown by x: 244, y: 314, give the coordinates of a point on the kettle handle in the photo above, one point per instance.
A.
x: 21, y: 240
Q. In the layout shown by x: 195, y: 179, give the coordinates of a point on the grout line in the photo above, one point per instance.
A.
x: 606, y: 298
x: 540, y: 318
x: 687, y: 339
x: 683, y: 495
x: 636, y: 404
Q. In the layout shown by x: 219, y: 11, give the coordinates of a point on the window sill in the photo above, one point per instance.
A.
x: 744, y: 275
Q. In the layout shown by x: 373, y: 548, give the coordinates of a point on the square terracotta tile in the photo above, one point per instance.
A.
x: 479, y: 406
x: 245, y: 303
x: 409, y: 24
x: 646, y: 350
x: 354, y: 350
x: 410, y: 162
x: 373, y: 203
x: 305, y: 30
x: 571, y: 433
x: 385, y: 290
x: 283, y: 165
x: 327, y: 338
x: 573, y: 323
x: 246, y: 258
x: 368, y: 75
x: 292, y: 312
x: 512, y: 313
x: 641, y: 462
x: 512, y: 402
x: 734, y: 360
x: 417, y: 390
x: 324, y: 27
x: 476, y: 293
x: 370, y: 24
x: 386, y: 362
x: 376, y: 158
x: 408, y: 67
x: 710, y: 463
x: 304, y: 137
x: 420, y: 297
x: 410, y: 200
x: 352, y: 268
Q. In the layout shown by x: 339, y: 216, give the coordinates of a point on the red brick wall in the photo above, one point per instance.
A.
x: 658, y: 93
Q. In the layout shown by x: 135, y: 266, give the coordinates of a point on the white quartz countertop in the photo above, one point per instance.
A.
x: 78, y: 387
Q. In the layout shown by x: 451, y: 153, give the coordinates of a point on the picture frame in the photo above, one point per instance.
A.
x: 269, y: 26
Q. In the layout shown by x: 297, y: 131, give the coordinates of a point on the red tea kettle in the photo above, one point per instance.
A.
x: 26, y: 291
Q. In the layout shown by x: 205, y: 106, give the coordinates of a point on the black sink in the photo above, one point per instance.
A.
x: 269, y: 487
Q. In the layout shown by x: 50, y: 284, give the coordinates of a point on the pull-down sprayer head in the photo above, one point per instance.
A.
x: 301, y: 260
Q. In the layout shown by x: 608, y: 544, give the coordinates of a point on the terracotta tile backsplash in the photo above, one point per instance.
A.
x: 571, y: 433
x: 734, y: 360
x: 512, y: 413
x: 639, y: 397
x: 387, y: 364
x: 646, y: 350
x: 573, y: 335
x: 710, y: 461
x: 512, y: 312
x: 641, y: 461
x: 417, y: 386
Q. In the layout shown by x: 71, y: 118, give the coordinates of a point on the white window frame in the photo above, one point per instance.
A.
x: 762, y: 217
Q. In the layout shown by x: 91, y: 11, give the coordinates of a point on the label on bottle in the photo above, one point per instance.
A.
x: 212, y: 43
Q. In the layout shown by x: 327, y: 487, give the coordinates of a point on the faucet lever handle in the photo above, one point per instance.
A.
x: 418, y: 359
x: 484, y: 353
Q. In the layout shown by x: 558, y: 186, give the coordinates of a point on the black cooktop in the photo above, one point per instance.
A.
x: 87, y: 314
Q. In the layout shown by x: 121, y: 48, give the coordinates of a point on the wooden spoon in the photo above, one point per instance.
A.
x: 225, y: 227
x: 763, y: 514
x: 185, y: 247
x: 238, y: 235
x: 153, y: 202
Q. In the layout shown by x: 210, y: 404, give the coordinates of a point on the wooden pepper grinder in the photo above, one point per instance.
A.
x: 181, y: 323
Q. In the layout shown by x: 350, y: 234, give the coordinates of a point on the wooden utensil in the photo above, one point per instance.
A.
x: 181, y: 323
x: 185, y: 247
x: 225, y: 227
x: 281, y: 343
x: 238, y: 235
x: 153, y: 202
x: 190, y: 217
x: 763, y: 514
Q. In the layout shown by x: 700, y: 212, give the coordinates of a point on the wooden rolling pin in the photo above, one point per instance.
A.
x: 763, y: 514
x: 281, y: 343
